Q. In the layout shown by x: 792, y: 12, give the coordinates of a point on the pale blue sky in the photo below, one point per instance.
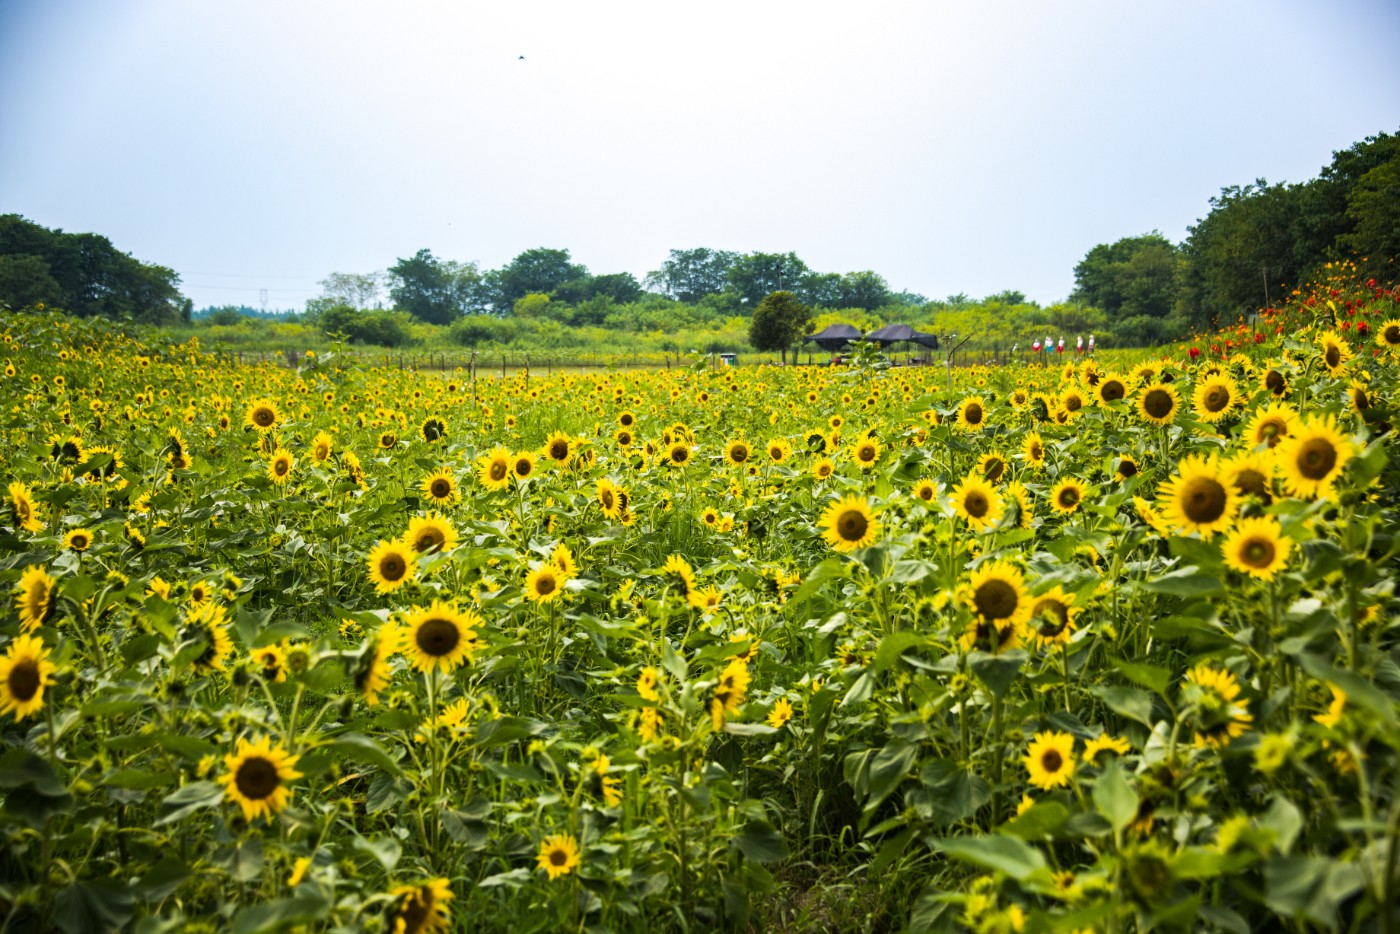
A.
x: 950, y: 147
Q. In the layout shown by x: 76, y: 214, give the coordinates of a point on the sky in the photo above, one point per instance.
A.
x: 949, y: 146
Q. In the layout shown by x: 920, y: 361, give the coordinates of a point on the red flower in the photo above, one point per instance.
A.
x: 1195, y: 352
x: 1258, y: 338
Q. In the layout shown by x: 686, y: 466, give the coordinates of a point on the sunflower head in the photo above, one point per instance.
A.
x: 391, y: 565
x: 1067, y: 494
x: 1199, y: 498
x: 1050, y: 760
x: 997, y: 594
x: 25, y: 672
x: 440, y: 637
x: 1157, y: 403
x: 849, y: 523
x: 558, y: 855
x: 977, y: 501
x: 257, y: 776
x: 1257, y: 547
x: 1312, y: 457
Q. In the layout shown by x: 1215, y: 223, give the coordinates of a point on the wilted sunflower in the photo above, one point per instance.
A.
x: 391, y: 565
x: 1335, y: 352
x: 439, y: 637
x: 522, y: 465
x: 22, y: 506
x: 280, y: 467
x: 972, y: 413
x: 422, y: 908
x: 558, y: 855
x: 992, y: 466
x: 849, y: 523
x: 1052, y: 617
x: 1050, y: 759
x: 1257, y: 547
x: 433, y: 429
x: 558, y: 447
x: 440, y: 486
x: 737, y: 452
x: 257, y: 776
x: 78, y: 539
x: 1312, y: 457
x: 1157, y: 404
x: 1033, y: 449
x: 1215, y: 397
x: 1388, y: 335
x: 24, y: 673
x: 1270, y: 425
x: 494, y: 469
x: 544, y: 583
x: 1067, y: 494
x: 36, y: 598
x: 262, y: 415
x: 433, y: 532
x: 1218, y: 717
x: 321, y: 447
x: 1199, y: 498
x: 977, y: 501
x: 997, y: 594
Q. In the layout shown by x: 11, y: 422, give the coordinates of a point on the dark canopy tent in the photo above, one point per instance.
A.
x: 902, y: 333
x: 835, y: 337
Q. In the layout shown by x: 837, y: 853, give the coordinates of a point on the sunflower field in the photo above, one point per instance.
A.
x: 1106, y: 644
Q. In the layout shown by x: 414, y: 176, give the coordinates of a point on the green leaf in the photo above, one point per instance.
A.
x: 997, y: 672
x: 278, y: 915
x: 952, y: 793
x: 97, y: 905
x: 830, y: 569
x: 894, y: 645
x: 889, y: 767
x: 384, y: 848
x: 1284, y: 819
x: 1008, y: 855
x: 1149, y: 676
x: 1189, y: 581
x: 1114, y: 796
x: 1127, y: 702
x: 1041, y: 819
x: 19, y: 766
x: 187, y: 800
x: 761, y: 843
x: 1359, y: 691
x: 361, y: 747
x: 504, y: 730
x: 1309, y: 888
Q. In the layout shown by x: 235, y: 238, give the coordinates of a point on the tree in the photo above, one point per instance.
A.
x: 539, y: 270
x: 867, y: 290
x: 690, y: 275
x: 25, y: 282
x: 1373, y: 208
x: 619, y: 287
x: 755, y: 275
x: 358, y: 290
x: 1245, y: 242
x: 433, y: 290
x: 778, y: 320
x: 1133, y: 277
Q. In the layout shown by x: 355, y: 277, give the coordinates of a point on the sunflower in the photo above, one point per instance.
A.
x: 78, y: 539
x: 678, y: 453
x: 997, y: 594
x: 647, y: 682
x: 710, y: 516
x: 280, y: 467
x: 1067, y: 494
x: 1257, y: 547
x: 1052, y: 617
x: 558, y: 855
x: 679, y: 573
x: 391, y: 565
x: 1033, y: 449
x: 1157, y: 404
x: 824, y: 467
x: 433, y: 429
x: 737, y: 453
x: 729, y: 692
x: 1018, y: 398
x: 1149, y: 514
x: 623, y: 437
x: 1198, y: 498
x: 1335, y: 352
x: 544, y: 583
x: 1251, y: 473
x: 1109, y: 389
x: 1312, y: 457
x: 36, y: 598
x: 972, y: 413
x: 1106, y: 743
x: 1072, y: 400
x: 321, y: 447
x: 1050, y: 760
x: 780, y: 714
x: 24, y: 673
x: 433, y: 532
x: 376, y: 667
x: 1218, y: 716
x: 626, y: 419
x: 866, y: 452
x: 977, y: 501
x: 1126, y: 467
x: 779, y: 450
x: 439, y: 637
x: 558, y: 446
x: 422, y: 909
x: 522, y: 465
x: 440, y: 487
x: 388, y: 441
x: 262, y: 415
x: 1359, y: 397
x: 209, y: 623
x: 1025, y: 510
x: 849, y: 523
x: 705, y: 599
x: 926, y: 490
x: 257, y: 776
x: 270, y: 662
x: 1215, y: 397
x: 1388, y: 335
x: 608, y: 498
x: 494, y: 469
x: 992, y: 466
x: 1270, y: 424
x: 23, y: 508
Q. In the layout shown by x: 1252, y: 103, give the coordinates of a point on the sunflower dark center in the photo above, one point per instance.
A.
x: 257, y: 778
x: 1037, y: 452
x: 282, y: 466
x: 1158, y: 403
x: 1111, y: 391
x: 976, y: 504
x: 523, y: 468
x: 545, y: 585
x: 626, y: 420
x: 1251, y: 483
x: 1316, y: 458
x: 499, y: 469
x: 606, y: 498
x: 440, y: 488
x: 1392, y: 334
x: 1127, y: 468
x: 926, y: 493
x: 1257, y: 552
x: 852, y: 525
x: 867, y: 452
x: 996, y: 599
x: 680, y: 455
x: 559, y: 450
x: 1051, y: 760
x: 1203, y: 500
x: 23, y: 681
x: 429, y: 538
x: 1218, y: 399
x: 1274, y: 382
x: 972, y: 413
x: 414, y: 912
x: 1069, y: 496
x: 557, y: 857
x: 438, y: 637
x: 739, y: 453
x: 392, y: 567
x: 1361, y: 399
x: 1053, y: 615
x: 1073, y: 403
x: 263, y: 417
x: 994, y: 469
x: 1333, y: 356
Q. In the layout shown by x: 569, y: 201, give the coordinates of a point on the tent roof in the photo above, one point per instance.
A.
x: 842, y: 332
x: 894, y: 333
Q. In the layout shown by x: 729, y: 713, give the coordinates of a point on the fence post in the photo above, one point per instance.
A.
x: 503, y: 368
x: 473, y: 368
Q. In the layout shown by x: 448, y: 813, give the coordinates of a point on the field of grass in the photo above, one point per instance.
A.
x: 1100, y: 646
